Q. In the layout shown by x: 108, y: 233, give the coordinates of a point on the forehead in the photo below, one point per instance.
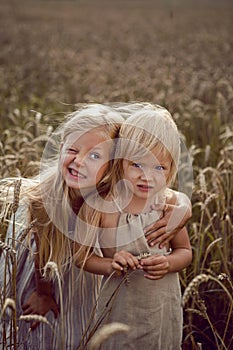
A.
x: 88, y: 139
x: 157, y: 155
x: 161, y: 154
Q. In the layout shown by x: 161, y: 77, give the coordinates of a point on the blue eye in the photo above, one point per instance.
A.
x: 137, y: 165
x: 159, y: 167
x: 94, y: 156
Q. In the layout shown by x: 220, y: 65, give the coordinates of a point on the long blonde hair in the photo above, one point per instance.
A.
x: 50, y: 201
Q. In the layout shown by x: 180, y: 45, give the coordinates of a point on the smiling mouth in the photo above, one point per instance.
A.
x: 76, y: 173
x: 145, y: 187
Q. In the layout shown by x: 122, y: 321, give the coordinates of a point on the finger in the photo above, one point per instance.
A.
x: 166, y: 239
x: 133, y: 263
x: 25, y: 306
x: 152, y: 260
x: 165, y: 243
x: 120, y: 260
x: 163, y: 238
x: 155, y: 235
x: 151, y: 277
x: 156, y: 270
x: 117, y: 267
x: 34, y: 325
x: 155, y: 226
x: 28, y: 311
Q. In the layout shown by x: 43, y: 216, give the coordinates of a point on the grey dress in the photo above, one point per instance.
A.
x: 79, y: 293
x: 152, y: 308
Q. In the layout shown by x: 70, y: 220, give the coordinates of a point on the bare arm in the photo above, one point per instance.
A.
x: 98, y: 265
x: 177, y: 212
x: 105, y: 266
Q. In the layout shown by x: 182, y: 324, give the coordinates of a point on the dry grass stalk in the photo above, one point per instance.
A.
x: 107, y: 331
x: 107, y: 308
x: 15, y: 206
x: 194, y: 284
x: 26, y: 231
x: 210, y: 246
x: 38, y: 318
x: 7, y: 248
x: 9, y: 303
x: 17, y: 187
x: 51, y: 272
x: 193, y: 287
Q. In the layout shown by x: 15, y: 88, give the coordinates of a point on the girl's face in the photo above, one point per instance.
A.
x: 84, y: 159
x: 147, y: 176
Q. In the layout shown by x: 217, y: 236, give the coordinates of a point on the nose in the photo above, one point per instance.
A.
x: 146, y: 174
x: 79, y: 159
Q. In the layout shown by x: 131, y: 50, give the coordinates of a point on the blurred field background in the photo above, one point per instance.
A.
x: 175, y: 53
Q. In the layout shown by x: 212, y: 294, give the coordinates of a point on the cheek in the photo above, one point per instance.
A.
x: 64, y: 161
x: 161, y: 179
x: 130, y: 175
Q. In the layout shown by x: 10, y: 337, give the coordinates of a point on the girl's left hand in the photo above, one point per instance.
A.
x: 155, y: 267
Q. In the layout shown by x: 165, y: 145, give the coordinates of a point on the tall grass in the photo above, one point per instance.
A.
x: 55, y: 54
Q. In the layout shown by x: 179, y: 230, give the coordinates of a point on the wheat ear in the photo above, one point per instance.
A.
x: 35, y: 317
x: 9, y: 303
x: 105, y: 332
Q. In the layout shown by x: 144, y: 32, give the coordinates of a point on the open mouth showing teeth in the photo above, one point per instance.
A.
x: 76, y: 173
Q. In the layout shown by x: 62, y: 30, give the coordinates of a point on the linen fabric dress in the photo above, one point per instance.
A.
x: 79, y: 293
x: 151, y: 308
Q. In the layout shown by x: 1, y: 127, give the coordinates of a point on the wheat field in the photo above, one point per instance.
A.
x: 178, y: 54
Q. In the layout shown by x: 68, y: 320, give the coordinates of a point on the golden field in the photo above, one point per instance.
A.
x: 178, y: 54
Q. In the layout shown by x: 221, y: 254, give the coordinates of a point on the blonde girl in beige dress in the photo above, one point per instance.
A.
x: 141, y: 284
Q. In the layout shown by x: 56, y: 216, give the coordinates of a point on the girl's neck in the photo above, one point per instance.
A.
x: 139, y: 205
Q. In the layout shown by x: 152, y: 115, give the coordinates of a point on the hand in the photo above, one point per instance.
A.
x: 40, y: 304
x: 123, y: 259
x: 173, y: 220
x: 156, y: 266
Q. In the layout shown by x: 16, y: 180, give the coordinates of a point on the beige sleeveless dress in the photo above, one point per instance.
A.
x: 152, y: 308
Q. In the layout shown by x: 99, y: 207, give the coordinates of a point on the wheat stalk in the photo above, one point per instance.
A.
x: 17, y: 187
x: 194, y: 284
x: 51, y: 272
x: 35, y: 317
x: 7, y: 248
x: 9, y: 303
x: 25, y: 232
x: 15, y: 206
x: 105, y: 311
x: 105, y: 332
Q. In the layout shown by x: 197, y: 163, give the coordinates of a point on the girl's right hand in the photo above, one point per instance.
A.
x: 123, y: 259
